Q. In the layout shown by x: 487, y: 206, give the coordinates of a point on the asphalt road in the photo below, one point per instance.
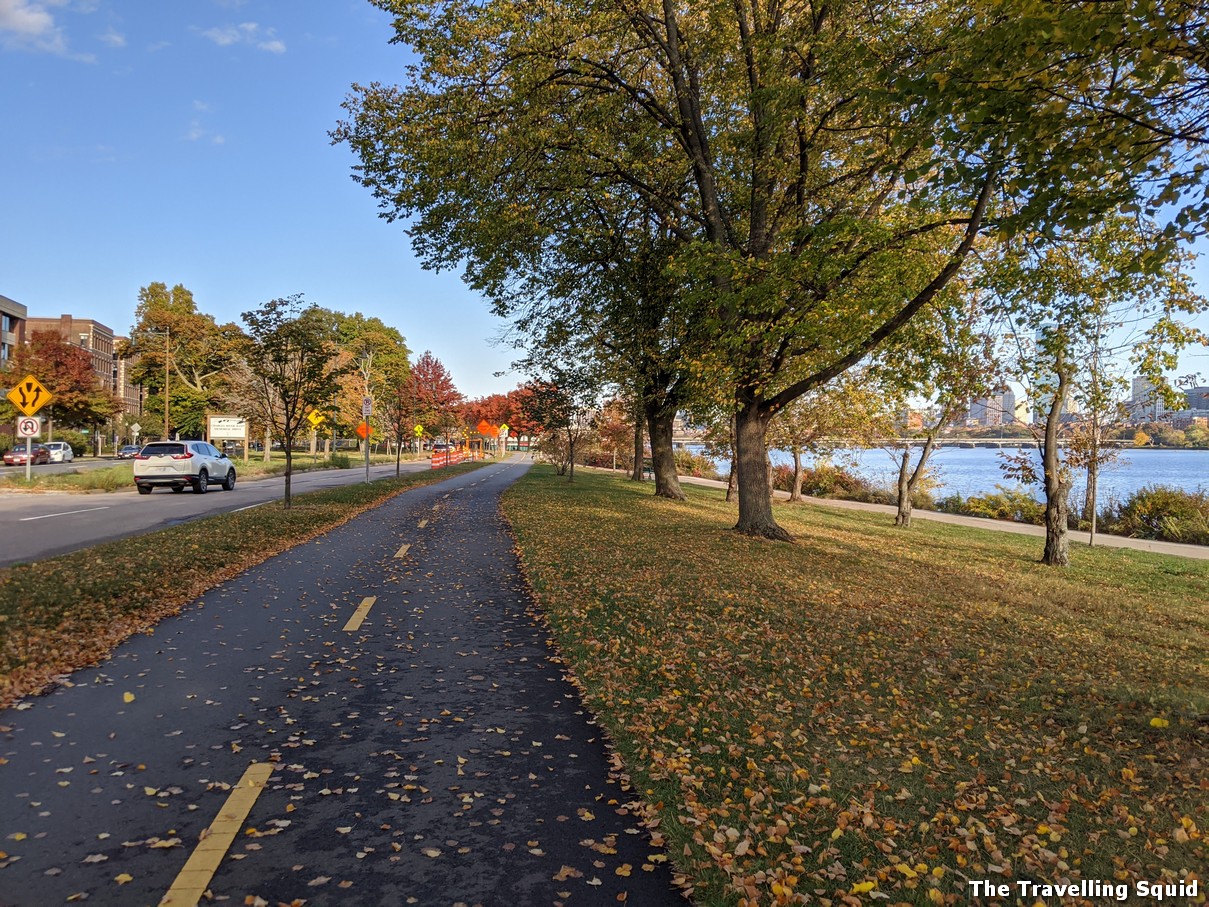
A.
x: 37, y: 526
x: 374, y: 717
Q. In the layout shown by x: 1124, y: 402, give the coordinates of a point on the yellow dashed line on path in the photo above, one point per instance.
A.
x: 402, y: 552
x: 354, y: 622
x: 191, y: 884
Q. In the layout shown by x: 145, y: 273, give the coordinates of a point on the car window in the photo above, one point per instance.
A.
x: 163, y: 450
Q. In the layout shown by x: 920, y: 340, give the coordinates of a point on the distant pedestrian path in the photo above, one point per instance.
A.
x: 1198, y: 552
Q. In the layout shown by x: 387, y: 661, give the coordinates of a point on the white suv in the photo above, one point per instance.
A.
x: 176, y: 464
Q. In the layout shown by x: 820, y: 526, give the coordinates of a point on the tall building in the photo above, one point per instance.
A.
x: 127, y: 391
x: 12, y: 328
x: 87, y: 334
x: 997, y: 409
x: 1198, y: 399
x: 1144, y: 406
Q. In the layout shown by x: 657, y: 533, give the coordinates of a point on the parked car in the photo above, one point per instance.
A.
x: 129, y: 452
x: 176, y: 464
x: 37, y: 454
x: 60, y: 451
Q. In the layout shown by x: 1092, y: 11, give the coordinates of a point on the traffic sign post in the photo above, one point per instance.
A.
x: 28, y: 427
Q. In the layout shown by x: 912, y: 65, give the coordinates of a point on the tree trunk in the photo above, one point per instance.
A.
x: 796, y: 493
x: 903, y: 518
x: 289, y: 467
x: 751, y: 462
x: 268, y: 446
x: 732, y: 477
x: 663, y: 455
x: 1089, y: 506
x: 908, y: 480
x: 570, y: 457
x: 636, y: 472
x: 1057, y: 544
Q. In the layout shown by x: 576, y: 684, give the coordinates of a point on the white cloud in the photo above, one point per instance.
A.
x: 249, y: 33
x: 113, y: 38
x: 28, y: 24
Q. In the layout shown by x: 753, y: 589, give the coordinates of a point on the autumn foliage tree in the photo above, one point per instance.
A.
x: 437, y: 398
x: 64, y: 370
x: 290, y: 370
x: 200, y: 353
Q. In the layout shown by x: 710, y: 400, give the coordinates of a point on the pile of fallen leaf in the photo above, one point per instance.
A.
x: 873, y: 714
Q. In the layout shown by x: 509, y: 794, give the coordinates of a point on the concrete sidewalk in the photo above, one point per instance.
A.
x: 1197, y: 552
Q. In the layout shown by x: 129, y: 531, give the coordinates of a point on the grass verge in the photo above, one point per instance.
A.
x: 66, y: 612
x: 120, y: 475
x: 870, y: 713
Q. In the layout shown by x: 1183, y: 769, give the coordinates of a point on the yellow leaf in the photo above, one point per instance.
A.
x: 127, y: 697
x: 124, y: 877
x: 1159, y: 722
x: 862, y: 887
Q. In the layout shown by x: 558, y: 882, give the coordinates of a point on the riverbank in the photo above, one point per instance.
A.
x: 1197, y: 552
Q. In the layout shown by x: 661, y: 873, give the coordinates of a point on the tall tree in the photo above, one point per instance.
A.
x: 945, y: 359
x: 1056, y: 299
x: 198, y: 349
x: 375, y: 353
x: 823, y: 170
x: 289, y: 356
x: 64, y: 370
x: 397, y: 406
x: 437, y: 397
x: 565, y: 406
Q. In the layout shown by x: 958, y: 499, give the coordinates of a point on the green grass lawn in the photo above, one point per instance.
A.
x: 871, y: 713
x: 63, y: 613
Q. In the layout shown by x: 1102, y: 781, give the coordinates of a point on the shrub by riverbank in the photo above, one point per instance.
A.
x: 871, y: 713
x: 1154, y: 512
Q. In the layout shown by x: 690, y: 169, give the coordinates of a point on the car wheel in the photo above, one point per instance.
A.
x: 144, y: 489
x: 203, y: 482
x: 229, y: 482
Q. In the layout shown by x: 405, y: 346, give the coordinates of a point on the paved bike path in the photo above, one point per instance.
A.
x: 431, y: 754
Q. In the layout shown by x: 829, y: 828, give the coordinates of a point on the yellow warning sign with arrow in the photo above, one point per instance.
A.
x: 29, y: 395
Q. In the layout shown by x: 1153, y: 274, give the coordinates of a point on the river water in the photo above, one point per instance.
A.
x: 971, y: 471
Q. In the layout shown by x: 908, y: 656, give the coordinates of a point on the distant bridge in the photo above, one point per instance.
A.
x: 682, y: 439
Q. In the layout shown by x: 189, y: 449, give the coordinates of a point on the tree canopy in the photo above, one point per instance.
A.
x: 822, y: 171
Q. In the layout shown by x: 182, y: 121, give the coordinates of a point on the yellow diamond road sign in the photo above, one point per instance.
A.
x: 316, y: 418
x: 29, y: 395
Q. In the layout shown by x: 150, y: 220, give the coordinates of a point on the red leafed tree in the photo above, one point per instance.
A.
x: 498, y: 409
x: 65, y: 371
x: 438, y: 400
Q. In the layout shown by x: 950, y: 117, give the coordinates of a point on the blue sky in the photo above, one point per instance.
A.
x: 186, y: 142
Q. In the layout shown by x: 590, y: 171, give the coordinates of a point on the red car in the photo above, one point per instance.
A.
x: 16, y: 456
